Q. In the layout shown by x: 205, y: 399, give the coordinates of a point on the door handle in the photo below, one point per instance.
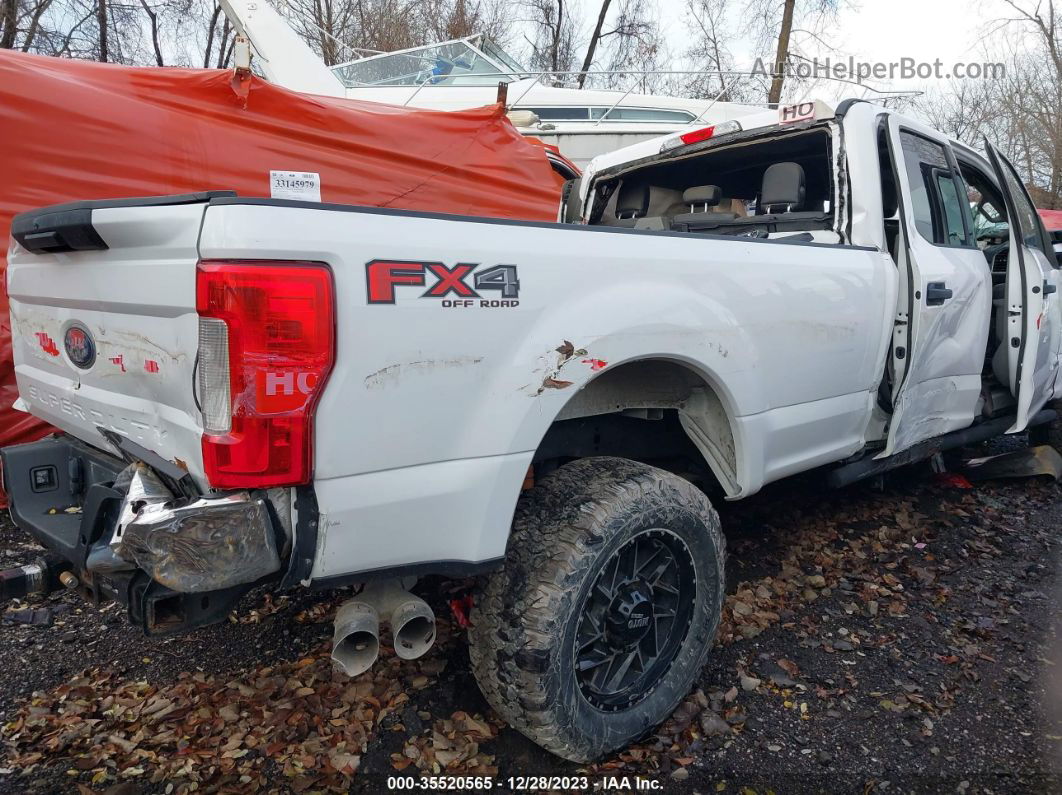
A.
x: 937, y: 293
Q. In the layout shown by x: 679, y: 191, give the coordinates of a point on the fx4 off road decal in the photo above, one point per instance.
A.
x: 451, y: 285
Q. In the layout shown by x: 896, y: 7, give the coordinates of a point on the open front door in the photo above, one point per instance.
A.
x: 1032, y: 291
x: 940, y: 330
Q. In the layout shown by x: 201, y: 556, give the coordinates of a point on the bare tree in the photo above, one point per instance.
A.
x: 120, y: 31
x: 34, y: 26
x: 212, y: 32
x: 1020, y: 111
x: 554, y: 32
x: 339, y: 29
x: 781, y: 56
x: 329, y: 26
x: 460, y: 18
x: 15, y: 31
x: 226, y: 41
x: 197, y: 32
x: 30, y: 26
x: 102, y: 26
x: 9, y: 13
x: 1032, y: 97
x: 772, y: 24
x: 635, y: 44
x: 964, y: 111
x: 595, y: 39
x: 710, y: 29
x: 153, y: 17
x: 706, y: 24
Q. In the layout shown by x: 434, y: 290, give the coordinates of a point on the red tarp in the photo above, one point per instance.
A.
x: 82, y: 130
x: 1052, y: 219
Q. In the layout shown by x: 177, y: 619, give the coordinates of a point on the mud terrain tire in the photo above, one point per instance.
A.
x: 586, y: 527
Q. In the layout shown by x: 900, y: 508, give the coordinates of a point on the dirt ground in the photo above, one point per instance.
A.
x: 900, y: 639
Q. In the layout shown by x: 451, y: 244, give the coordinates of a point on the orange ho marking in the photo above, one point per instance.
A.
x: 47, y: 343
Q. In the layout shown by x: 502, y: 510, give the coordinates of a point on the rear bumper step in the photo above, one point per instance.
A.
x: 63, y: 494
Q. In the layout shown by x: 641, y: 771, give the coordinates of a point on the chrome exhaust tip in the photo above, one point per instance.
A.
x: 356, y: 641
x: 412, y: 627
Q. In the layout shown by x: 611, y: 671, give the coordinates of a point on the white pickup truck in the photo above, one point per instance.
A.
x: 255, y: 391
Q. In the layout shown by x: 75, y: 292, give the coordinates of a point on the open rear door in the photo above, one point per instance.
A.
x: 940, y: 330
x: 1032, y: 290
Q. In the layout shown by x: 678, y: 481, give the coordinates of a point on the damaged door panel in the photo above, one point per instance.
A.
x: 944, y: 301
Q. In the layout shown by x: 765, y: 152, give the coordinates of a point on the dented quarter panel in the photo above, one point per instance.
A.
x: 432, y: 413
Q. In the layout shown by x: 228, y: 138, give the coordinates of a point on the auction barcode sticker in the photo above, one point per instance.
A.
x: 301, y: 185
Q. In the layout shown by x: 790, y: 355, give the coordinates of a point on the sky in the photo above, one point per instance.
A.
x: 882, y: 30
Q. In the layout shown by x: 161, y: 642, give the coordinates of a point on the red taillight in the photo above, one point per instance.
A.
x: 697, y: 136
x: 267, y: 345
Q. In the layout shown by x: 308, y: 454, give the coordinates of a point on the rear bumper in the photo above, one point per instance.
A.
x: 59, y: 489
x: 62, y: 493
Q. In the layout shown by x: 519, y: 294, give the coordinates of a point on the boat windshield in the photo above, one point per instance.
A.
x: 465, y: 62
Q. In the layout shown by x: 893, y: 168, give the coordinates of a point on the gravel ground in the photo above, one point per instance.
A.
x: 896, y: 640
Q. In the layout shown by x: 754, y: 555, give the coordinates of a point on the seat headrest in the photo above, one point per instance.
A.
x: 703, y: 194
x: 633, y: 200
x: 783, y: 186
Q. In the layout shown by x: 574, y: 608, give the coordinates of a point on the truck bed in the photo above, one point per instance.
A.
x: 459, y: 341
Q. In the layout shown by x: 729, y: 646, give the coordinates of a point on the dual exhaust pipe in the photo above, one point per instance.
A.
x: 356, y: 642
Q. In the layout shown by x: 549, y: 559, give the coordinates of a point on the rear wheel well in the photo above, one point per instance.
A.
x: 655, y: 411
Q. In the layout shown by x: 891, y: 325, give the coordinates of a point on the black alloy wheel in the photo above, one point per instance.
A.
x: 634, y: 619
x: 599, y: 622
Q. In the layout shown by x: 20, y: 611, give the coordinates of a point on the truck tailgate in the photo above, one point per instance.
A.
x: 106, y: 338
